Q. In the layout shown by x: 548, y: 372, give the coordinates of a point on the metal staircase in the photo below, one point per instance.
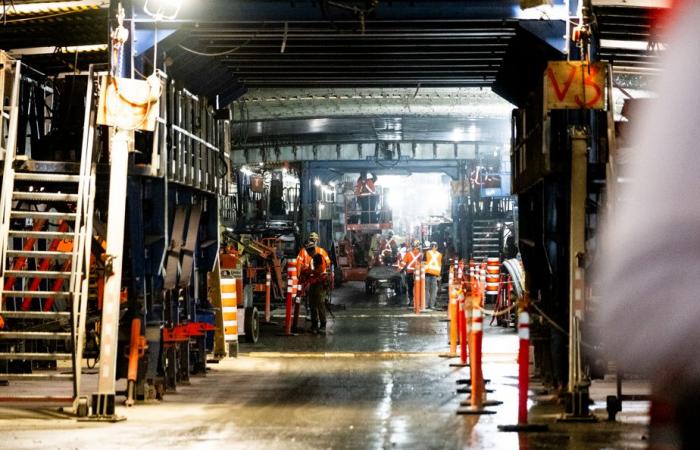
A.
x: 485, y: 239
x: 45, y: 237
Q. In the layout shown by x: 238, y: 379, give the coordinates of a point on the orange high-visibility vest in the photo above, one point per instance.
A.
x: 411, y: 261
x: 305, y: 261
x: 433, y: 263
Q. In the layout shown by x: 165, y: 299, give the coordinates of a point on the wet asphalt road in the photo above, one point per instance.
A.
x: 374, y: 382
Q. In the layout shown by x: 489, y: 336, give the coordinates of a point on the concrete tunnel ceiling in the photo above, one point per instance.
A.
x: 368, y: 115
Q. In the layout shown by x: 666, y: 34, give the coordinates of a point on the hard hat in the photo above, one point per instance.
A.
x: 416, y: 244
x: 433, y: 244
x: 313, y: 236
x: 310, y: 244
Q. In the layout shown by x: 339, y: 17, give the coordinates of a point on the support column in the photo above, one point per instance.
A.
x: 578, y: 384
x: 103, y: 401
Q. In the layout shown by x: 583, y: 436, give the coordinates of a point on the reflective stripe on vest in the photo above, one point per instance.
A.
x: 434, y: 263
x: 415, y: 259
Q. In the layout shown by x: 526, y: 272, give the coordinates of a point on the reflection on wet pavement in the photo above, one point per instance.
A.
x: 374, y: 382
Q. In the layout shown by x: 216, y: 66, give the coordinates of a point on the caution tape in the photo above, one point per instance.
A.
x: 502, y: 312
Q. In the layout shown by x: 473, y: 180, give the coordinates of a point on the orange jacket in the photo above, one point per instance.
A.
x: 411, y: 260
x: 304, y: 260
x: 433, y: 263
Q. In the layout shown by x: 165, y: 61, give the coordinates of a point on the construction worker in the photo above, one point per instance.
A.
x: 317, y: 283
x: 304, y: 258
x: 433, y: 269
x: 365, y: 192
x: 411, y: 261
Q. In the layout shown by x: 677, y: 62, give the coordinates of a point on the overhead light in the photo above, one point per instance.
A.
x: 317, y: 182
x: 457, y: 134
x: 162, y: 9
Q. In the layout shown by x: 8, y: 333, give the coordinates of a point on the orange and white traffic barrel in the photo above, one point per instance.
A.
x: 229, y: 310
x: 493, y: 268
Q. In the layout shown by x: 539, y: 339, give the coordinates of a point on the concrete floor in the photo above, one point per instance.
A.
x: 374, y: 382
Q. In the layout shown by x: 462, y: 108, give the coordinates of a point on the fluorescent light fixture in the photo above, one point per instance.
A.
x: 317, y: 182
x: 628, y: 45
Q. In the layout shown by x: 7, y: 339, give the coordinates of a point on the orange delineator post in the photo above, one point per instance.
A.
x: 296, y: 295
x: 476, y: 403
x: 523, y: 378
x: 268, y: 312
x: 416, y: 290
x: 291, y: 271
x: 461, y: 329
x: 476, y: 373
x: 423, y: 292
x: 452, y: 313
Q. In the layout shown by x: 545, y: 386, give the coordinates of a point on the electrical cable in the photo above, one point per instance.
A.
x: 557, y: 326
x: 226, y: 52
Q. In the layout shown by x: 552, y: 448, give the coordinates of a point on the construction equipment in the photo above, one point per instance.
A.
x: 44, y: 319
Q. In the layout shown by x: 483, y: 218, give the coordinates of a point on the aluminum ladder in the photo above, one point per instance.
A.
x: 44, y: 317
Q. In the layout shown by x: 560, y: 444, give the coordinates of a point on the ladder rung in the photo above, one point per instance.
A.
x: 40, y: 254
x: 42, y: 215
x: 39, y: 294
x: 45, y: 196
x: 34, y: 315
x: 41, y: 234
x: 36, y: 274
x: 53, y: 335
x: 51, y: 177
x: 35, y: 376
x: 36, y: 356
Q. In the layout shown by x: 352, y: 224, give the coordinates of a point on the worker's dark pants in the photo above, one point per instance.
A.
x: 432, y: 283
x: 317, y: 304
x: 409, y: 286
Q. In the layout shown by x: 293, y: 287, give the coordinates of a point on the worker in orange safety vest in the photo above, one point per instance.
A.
x: 306, y: 254
x: 433, y: 269
x: 411, y: 262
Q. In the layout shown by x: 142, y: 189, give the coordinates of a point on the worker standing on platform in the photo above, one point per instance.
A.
x: 411, y: 261
x: 433, y: 269
x: 365, y: 192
